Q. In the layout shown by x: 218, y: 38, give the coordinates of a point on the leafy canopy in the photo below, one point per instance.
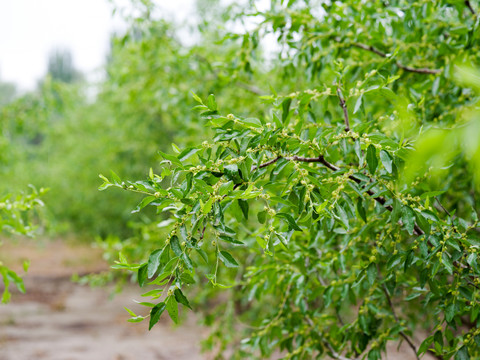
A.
x: 345, y: 217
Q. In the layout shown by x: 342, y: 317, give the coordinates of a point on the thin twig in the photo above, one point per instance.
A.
x: 443, y: 208
x: 470, y: 7
x: 344, y: 107
x: 407, y: 339
x: 399, y: 64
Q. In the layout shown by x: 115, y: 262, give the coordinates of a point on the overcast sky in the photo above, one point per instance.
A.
x: 30, y: 29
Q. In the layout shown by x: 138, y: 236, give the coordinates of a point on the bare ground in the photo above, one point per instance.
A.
x: 60, y: 320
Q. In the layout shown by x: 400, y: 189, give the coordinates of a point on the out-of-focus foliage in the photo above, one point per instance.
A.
x: 16, y: 217
x: 310, y: 210
x: 61, y: 68
x: 57, y: 137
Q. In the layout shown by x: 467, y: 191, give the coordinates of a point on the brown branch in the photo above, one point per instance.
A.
x: 407, y: 339
x: 270, y: 162
x: 344, y: 107
x: 470, y: 7
x: 398, y: 63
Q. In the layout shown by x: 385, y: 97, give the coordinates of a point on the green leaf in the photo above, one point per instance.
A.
x: 462, y: 354
x: 154, y: 262
x: 244, y: 206
x: 175, y: 245
x: 372, y: 273
x: 358, y: 103
x: 142, y: 274
x: 186, y: 278
x: 173, y: 159
x: 155, y: 314
x: 372, y: 160
x: 408, y: 218
x: 144, y: 203
x: 447, y: 262
x: 181, y: 299
x: 262, y: 217
x: 290, y: 221
x: 361, y: 210
x: 450, y: 312
x: 227, y: 259
x: 211, y: 103
x: 286, y: 109
x: 387, y: 160
x: 187, y: 261
x: 188, y: 152
x: 197, y: 98
x: 172, y: 308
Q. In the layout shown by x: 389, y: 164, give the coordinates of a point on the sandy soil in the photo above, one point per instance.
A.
x: 60, y: 320
x: 57, y: 319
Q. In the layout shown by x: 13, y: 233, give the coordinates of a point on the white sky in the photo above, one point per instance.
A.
x: 30, y: 29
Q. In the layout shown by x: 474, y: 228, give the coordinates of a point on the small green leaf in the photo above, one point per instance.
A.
x: 387, y: 160
x: 358, y: 103
x: 262, y: 217
x: 181, y: 298
x: 244, y: 206
x: 154, y: 262
x: 286, y: 109
x: 372, y: 160
x: 142, y: 274
x: 211, y: 103
x: 144, y: 203
x: 196, y: 98
x: 227, y: 259
x: 175, y: 245
x: 408, y: 218
x: 187, y: 261
x: 371, y: 273
x: 361, y: 210
x: 450, y: 312
x: 155, y: 314
x: 462, y: 354
x: 172, y: 308
x: 290, y: 221
x: 188, y: 152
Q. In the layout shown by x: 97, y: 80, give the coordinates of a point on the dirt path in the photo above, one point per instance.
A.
x: 58, y: 319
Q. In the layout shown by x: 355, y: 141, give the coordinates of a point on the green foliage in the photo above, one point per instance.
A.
x: 16, y: 217
x: 333, y: 245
